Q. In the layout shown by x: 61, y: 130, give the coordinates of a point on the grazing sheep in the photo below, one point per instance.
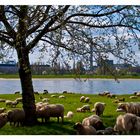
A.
x: 62, y: 96
x: 16, y: 116
x: 19, y: 100
x: 45, y: 92
x: 84, y: 130
x: 17, y: 92
x: 11, y: 103
x: 127, y: 123
x: 69, y: 115
x: 106, y: 93
x: 100, y: 94
x: 79, y: 110
x: 3, y: 119
x: 53, y: 96
x: 85, y: 108
x: 2, y: 100
x: 116, y: 101
x: 133, y: 97
x: 137, y: 93
x: 51, y: 110
x: 87, y: 99
x: 64, y: 92
x: 129, y: 107
x: 45, y: 100
x: 94, y: 121
x: 35, y: 92
x: 111, y: 95
x: 82, y: 98
x: 99, y: 108
x: 2, y: 110
x: 121, y: 99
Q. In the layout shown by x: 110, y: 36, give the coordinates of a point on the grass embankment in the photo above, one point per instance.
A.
x: 73, y: 76
x: 70, y: 103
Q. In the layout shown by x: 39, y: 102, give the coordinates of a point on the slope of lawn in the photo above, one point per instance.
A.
x: 71, y: 103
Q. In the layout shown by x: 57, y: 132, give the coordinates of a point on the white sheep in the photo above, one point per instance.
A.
x: 85, y: 108
x: 62, y: 96
x: 53, y: 96
x: 11, y: 103
x: 16, y: 116
x: 94, y: 121
x: 127, y: 123
x: 129, y: 107
x: 82, y: 98
x: 99, y: 108
x: 45, y: 100
x: 87, y: 99
x: 69, y: 115
x: 133, y: 97
x: 79, y: 110
x: 84, y: 130
x: 51, y: 110
x: 19, y: 99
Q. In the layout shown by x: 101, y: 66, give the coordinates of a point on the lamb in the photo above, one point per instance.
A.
x: 127, y: 123
x: 129, y: 107
x: 87, y: 99
x: 94, y: 121
x: 16, y: 116
x: 51, y: 110
x: 2, y: 110
x: 69, y: 115
x: 82, y: 98
x: 84, y: 130
x: 3, y: 119
x: 99, y: 108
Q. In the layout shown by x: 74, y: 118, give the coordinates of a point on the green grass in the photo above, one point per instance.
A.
x: 70, y: 103
x: 73, y: 76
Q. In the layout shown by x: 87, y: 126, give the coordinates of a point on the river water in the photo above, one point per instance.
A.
x: 90, y: 86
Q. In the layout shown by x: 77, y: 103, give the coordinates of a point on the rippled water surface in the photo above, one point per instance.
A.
x: 91, y: 86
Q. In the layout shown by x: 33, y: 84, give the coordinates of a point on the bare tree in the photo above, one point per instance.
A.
x: 25, y: 28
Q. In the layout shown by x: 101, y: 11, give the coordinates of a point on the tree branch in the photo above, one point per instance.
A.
x: 30, y: 31
x: 46, y: 28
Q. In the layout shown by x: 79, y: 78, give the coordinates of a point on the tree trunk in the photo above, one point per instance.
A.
x: 27, y: 87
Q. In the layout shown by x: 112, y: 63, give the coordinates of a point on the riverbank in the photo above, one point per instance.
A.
x: 16, y: 76
x: 71, y: 103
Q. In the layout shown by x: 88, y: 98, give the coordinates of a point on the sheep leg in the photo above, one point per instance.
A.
x: 62, y: 119
x: 58, y: 119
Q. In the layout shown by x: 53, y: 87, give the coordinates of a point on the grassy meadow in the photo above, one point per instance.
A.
x: 7, y: 76
x: 71, y: 103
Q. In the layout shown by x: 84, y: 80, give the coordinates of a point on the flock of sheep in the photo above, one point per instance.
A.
x: 91, y: 125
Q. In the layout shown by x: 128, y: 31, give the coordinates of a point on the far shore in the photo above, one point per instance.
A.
x: 81, y: 79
